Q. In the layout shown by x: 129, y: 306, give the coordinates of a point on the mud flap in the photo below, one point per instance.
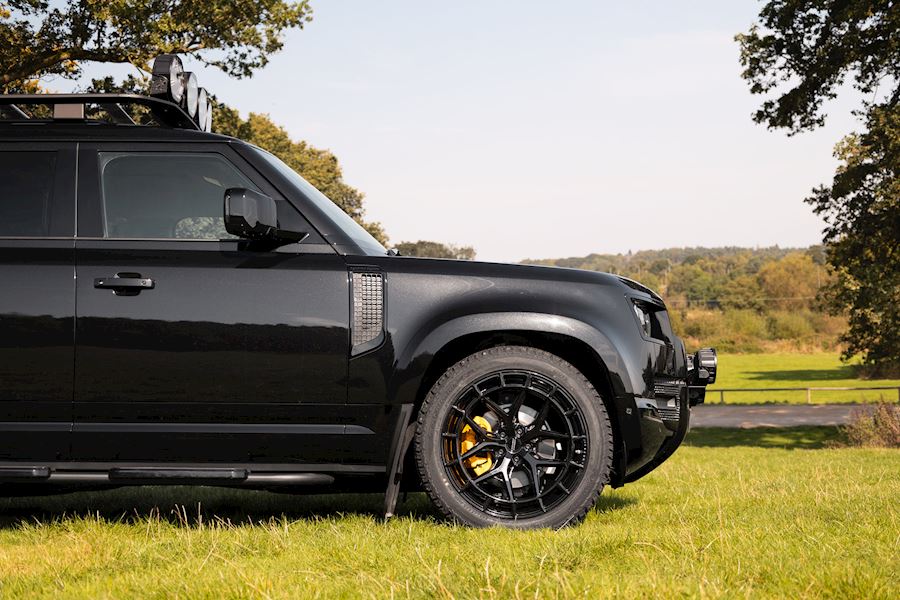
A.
x: 406, y: 431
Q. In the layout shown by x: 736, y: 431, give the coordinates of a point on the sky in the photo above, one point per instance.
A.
x: 541, y: 130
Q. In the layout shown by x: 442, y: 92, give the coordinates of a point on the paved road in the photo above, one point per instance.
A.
x: 770, y: 415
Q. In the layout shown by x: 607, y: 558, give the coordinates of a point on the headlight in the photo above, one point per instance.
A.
x: 643, y: 317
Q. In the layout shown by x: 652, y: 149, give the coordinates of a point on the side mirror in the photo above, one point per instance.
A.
x: 253, y: 215
x: 250, y: 214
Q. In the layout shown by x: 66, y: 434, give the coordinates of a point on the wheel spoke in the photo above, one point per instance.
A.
x: 535, y: 475
x: 518, y: 402
x: 509, y: 488
x: 489, y: 475
x: 479, y: 431
x: 504, y: 417
x: 541, y: 417
x: 477, y: 449
x: 545, y: 434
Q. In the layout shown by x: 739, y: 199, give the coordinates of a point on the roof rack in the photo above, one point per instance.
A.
x: 72, y: 107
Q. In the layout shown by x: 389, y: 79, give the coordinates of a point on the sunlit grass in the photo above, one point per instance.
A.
x: 748, y: 514
x: 819, y: 369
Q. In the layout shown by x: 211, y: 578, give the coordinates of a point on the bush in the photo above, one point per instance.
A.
x: 874, y: 426
x: 789, y: 325
x: 830, y: 325
x: 704, y: 324
x: 746, y: 324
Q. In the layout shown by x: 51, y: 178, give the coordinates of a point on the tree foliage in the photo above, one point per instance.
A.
x: 319, y: 167
x: 237, y: 36
x: 790, y: 283
x: 802, y: 51
x: 736, y: 299
x: 436, y: 250
x: 862, y: 212
x: 799, y: 55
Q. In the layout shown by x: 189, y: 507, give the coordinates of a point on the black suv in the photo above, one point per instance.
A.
x: 179, y: 307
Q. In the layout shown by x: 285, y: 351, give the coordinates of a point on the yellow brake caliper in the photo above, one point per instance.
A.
x: 478, y: 463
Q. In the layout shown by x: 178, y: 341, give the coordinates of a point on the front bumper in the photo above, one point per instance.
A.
x: 665, y: 418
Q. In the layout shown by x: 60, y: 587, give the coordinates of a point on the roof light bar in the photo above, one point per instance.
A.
x: 165, y: 112
x: 175, y: 100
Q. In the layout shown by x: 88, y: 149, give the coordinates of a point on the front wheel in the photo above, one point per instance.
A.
x: 514, y: 436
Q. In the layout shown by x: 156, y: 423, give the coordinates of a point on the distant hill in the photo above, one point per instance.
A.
x: 740, y: 299
x: 658, y: 260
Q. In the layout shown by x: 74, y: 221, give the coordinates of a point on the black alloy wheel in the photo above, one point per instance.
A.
x: 514, y: 436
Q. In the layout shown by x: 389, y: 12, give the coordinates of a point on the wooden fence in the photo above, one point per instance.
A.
x: 809, y: 391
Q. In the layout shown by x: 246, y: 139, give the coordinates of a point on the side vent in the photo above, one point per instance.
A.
x: 367, y: 328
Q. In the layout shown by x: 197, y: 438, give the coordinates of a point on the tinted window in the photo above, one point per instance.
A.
x: 26, y: 189
x: 166, y: 195
x: 354, y: 230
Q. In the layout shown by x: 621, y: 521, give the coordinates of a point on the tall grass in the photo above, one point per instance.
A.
x: 874, y: 426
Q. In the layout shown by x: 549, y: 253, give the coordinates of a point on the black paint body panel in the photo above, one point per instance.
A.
x: 241, y: 355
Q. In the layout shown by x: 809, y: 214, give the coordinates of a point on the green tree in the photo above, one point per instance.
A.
x: 799, y: 55
x: 743, y: 292
x: 237, y: 36
x: 862, y: 210
x: 697, y: 285
x: 436, y: 250
x: 319, y: 167
x: 790, y: 283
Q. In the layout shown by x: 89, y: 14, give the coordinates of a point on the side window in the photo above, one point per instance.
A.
x: 26, y: 190
x: 166, y: 194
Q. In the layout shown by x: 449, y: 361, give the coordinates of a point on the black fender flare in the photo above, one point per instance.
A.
x: 414, y: 360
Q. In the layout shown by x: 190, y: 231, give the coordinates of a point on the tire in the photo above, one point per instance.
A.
x: 554, y: 470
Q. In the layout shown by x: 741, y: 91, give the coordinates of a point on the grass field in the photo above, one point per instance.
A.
x: 820, y: 369
x: 736, y: 513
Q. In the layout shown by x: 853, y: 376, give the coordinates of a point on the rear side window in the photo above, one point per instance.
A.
x: 166, y: 195
x: 27, y: 180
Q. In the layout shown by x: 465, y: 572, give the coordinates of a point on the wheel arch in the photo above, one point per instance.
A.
x: 433, y: 358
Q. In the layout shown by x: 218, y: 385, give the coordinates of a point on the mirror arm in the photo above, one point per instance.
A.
x: 280, y: 238
x: 290, y: 237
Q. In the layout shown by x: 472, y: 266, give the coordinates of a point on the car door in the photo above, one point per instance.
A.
x: 228, y: 353
x: 37, y: 299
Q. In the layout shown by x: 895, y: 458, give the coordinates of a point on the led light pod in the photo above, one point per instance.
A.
x: 191, y: 93
x: 202, y: 107
x: 208, y: 125
x: 167, y: 82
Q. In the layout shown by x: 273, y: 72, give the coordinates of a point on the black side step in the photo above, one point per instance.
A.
x: 24, y: 473
x: 151, y: 475
x: 288, y: 479
x: 166, y: 476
